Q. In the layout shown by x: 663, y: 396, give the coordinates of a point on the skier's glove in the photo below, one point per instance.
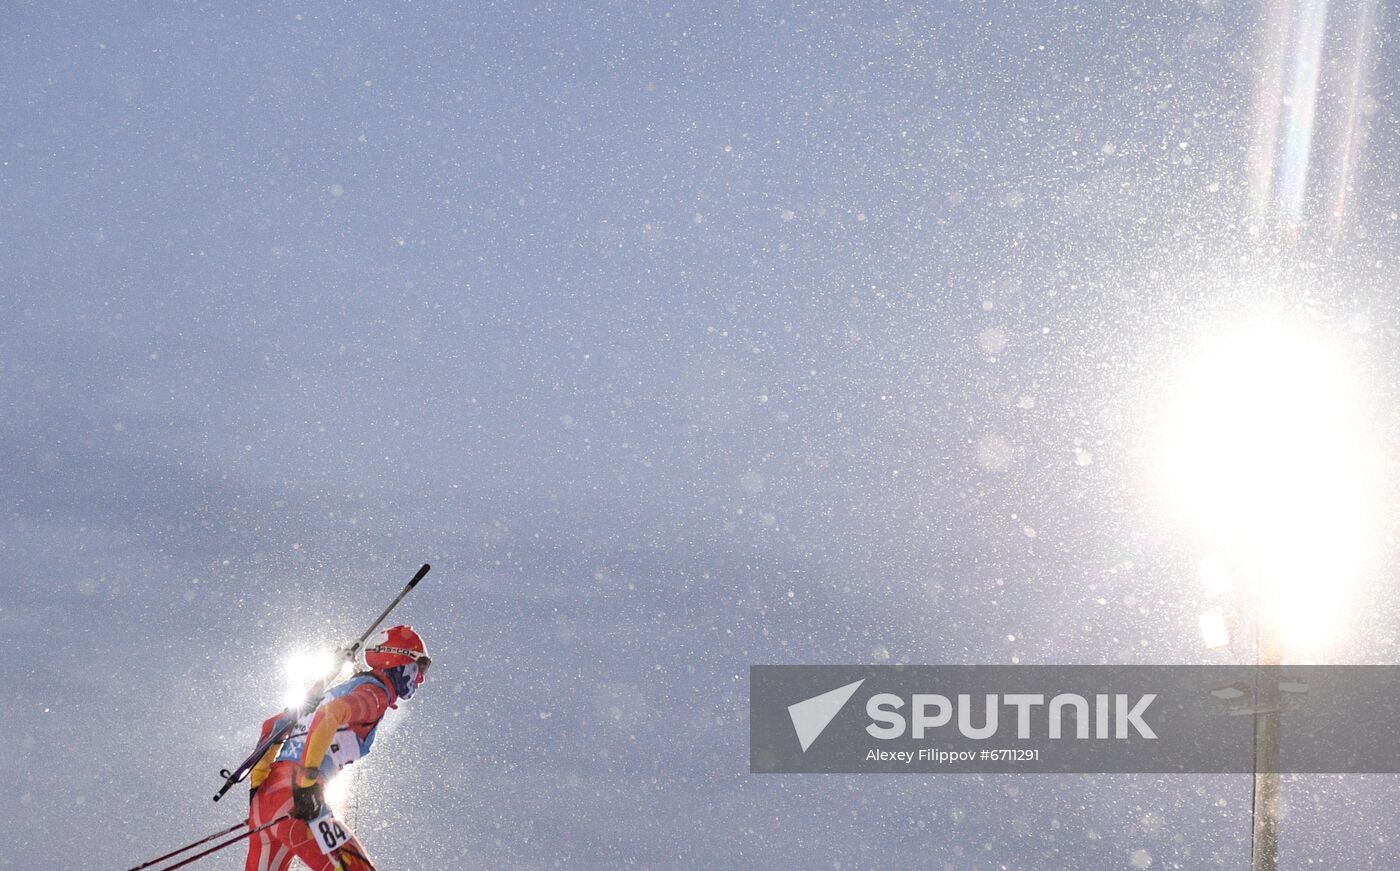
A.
x: 308, y: 802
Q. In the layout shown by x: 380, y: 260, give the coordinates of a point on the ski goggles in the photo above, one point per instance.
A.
x: 422, y: 660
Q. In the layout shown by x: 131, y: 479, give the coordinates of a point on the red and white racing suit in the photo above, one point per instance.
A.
x: 339, y: 731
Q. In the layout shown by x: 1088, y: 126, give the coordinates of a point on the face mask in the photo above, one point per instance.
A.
x: 406, y: 679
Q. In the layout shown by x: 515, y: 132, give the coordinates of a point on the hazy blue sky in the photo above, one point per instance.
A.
x: 678, y: 337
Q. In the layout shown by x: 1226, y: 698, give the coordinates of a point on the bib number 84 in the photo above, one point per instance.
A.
x: 328, y: 833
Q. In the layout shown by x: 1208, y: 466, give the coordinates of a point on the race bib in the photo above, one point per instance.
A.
x: 329, y: 833
x: 345, y: 749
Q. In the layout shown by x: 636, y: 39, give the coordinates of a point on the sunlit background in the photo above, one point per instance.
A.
x: 680, y: 338
x: 1268, y: 451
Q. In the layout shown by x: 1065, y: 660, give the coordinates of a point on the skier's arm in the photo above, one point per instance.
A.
x: 264, y: 765
x: 366, y: 704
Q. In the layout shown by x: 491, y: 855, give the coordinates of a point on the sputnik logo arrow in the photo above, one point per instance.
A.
x: 811, y: 716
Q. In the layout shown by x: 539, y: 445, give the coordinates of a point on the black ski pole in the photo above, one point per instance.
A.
x: 346, y: 654
x: 217, y: 847
x: 157, y: 860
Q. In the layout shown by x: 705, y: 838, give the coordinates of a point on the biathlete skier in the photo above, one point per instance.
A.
x: 290, y: 778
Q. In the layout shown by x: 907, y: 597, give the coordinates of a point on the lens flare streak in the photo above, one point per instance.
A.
x: 1310, y: 24
x: 1349, y: 142
x: 1313, y: 61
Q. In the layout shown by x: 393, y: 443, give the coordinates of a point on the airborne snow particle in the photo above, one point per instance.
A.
x: 337, y: 190
x: 994, y: 452
x: 752, y: 482
x: 992, y: 340
x: 1141, y: 859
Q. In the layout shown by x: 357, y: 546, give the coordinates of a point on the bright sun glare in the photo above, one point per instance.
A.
x: 302, y: 669
x: 1264, y: 451
x: 338, y: 790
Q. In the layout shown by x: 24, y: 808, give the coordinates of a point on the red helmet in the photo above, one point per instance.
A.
x: 397, y: 645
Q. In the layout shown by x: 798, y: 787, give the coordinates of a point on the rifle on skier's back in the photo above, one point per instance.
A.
x: 289, y: 719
